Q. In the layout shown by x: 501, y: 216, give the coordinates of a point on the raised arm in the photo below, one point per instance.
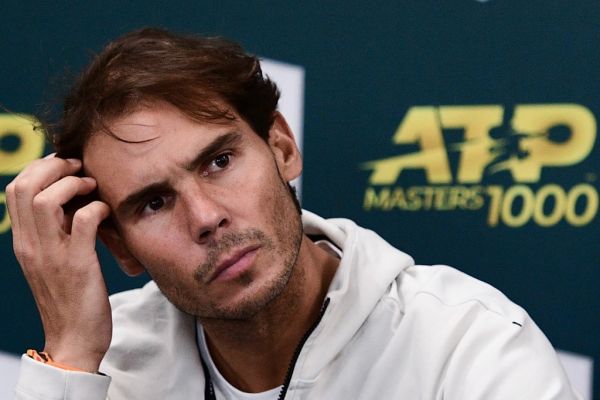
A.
x: 56, y: 251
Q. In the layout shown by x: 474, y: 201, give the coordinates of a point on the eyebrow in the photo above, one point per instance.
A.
x: 204, y: 156
x: 126, y: 206
x: 207, y: 154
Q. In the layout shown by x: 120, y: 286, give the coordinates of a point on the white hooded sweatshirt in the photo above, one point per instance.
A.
x: 390, y: 330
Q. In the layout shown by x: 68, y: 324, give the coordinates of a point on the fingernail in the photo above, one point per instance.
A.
x: 89, y: 179
x: 74, y: 161
x: 51, y: 155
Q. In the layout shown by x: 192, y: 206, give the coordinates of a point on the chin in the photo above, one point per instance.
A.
x: 246, y: 302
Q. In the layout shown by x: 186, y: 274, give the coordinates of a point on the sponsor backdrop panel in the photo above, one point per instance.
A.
x: 464, y: 132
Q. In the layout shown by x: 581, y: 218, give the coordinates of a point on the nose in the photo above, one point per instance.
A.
x: 204, y: 214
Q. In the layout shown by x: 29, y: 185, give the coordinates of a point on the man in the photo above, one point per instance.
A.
x: 172, y: 151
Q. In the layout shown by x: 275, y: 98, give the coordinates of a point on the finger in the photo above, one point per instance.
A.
x: 62, y: 191
x: 42, y: 173
x: 47, y: 205
x: 32, y: 180
x: 85, y: 224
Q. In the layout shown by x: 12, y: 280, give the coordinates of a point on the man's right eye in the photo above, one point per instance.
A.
x: 155, y: 204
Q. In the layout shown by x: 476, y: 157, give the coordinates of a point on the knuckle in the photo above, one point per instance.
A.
x: 34, y: 163
x: 25, y: 256
x: 10, y: 188
x: 83, y: 216
x: 73, y: 180
x: 19, y: 252
x: 22, y: 186
x: 41, y: 202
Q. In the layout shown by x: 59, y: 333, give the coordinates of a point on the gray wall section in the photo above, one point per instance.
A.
x: 366, y: 66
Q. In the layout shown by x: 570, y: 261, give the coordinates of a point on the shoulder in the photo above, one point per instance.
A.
x: 450, y: 289
x: 144, y: 320
x: 145, y: 309
x: 150, y: 333
x: 138, y: 302
x: 484, y: 343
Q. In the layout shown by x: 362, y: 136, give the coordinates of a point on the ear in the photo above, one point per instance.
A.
x: 128, y: 263
x: 284, y: 148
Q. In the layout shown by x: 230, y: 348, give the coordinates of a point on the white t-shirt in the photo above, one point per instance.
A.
x: 224, y: 388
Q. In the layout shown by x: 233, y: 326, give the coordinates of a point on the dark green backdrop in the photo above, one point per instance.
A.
x: 366, y: 65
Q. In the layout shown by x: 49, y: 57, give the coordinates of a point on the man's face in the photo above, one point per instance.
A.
x: 203, y: 207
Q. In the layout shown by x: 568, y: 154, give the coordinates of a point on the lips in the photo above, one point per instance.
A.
x: 235, y: 264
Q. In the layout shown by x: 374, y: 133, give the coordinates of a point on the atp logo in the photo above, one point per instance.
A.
x: 522, y: 142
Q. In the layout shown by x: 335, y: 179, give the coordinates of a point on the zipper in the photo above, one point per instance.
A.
x: 209, y: 389
x: 290, y: 371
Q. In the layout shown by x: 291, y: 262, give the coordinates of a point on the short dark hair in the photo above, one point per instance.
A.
x: 195, y: 74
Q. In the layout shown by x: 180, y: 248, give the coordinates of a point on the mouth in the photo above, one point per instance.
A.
x: 235, y: 264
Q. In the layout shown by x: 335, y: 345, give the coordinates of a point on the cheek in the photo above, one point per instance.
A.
x: 279, y: 207
x: 265, y: 201
x: 250, y: 195
x: 154, y: 247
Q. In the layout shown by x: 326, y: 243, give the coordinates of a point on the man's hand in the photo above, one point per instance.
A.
x: 57, y: 253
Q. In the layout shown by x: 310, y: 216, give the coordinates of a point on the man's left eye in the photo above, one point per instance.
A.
x: 222, y: 160
x: 218, y: 164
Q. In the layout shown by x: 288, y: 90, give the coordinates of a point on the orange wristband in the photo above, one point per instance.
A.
x: 45, y: 358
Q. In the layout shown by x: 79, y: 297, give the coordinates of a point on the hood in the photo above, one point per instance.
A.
x: 369, y: 266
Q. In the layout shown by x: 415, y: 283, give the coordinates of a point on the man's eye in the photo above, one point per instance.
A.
x: 222, y: 160
x: 156, y: 203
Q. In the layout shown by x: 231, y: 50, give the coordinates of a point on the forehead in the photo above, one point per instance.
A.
x: 149, y: 129
x: 158, y: 120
